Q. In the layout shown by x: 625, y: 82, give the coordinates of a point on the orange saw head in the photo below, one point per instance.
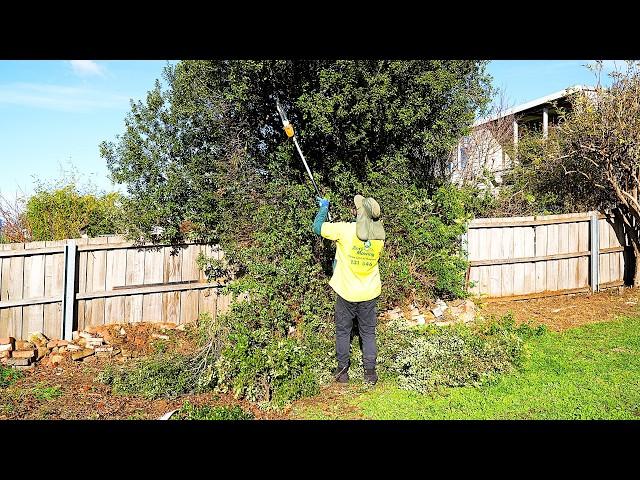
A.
x: 288, y: 128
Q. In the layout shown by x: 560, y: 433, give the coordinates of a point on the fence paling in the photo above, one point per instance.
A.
x: 522, y: 256
x: 57, y: 287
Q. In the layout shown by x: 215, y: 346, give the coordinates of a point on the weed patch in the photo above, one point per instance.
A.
x: 9, y: 376
x: 42, y: 393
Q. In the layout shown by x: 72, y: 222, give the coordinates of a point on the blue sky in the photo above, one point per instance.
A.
x: 525, y: 80
x: 54, y: 114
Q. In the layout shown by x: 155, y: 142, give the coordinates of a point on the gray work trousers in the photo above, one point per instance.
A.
x: 365, y: 315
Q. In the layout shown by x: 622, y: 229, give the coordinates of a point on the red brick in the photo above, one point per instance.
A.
x: 23, y: 354
x: 19, y: 361
x: 55, y: 359
x: 84, y: 353
x: 24, y: 345
x: 38, y: 338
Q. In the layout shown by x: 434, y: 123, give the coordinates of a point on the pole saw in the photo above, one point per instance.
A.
x: 288, y: 128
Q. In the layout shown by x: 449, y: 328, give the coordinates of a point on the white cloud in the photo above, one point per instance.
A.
x: 57, y: 97
x: 86, y: 68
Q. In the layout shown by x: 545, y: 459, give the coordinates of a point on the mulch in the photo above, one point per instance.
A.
x: 561, y: 312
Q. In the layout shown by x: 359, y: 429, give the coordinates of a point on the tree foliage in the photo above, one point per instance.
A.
x: 63, y: 209
x: 207, y: 159
x: 59, y: 209
x: 597, y: 147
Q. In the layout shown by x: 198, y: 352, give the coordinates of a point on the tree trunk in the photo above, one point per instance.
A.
x: 630, y: 221
x: 636, y: 273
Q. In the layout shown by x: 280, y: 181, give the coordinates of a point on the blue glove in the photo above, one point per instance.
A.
x: 323, y: 202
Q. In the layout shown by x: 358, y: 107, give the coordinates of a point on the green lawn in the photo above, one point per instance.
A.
x: 591, y: 372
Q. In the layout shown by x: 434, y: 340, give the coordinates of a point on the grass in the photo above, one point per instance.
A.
x: 13, y: 396
x: 9, y: 376
x: 591, y: 372
x: 43, y: 393
x: 206, y: 412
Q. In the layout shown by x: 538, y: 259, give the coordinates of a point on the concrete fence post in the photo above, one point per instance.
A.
x: 69, y: 292
x: 464, y: 244
x: 594, y: 241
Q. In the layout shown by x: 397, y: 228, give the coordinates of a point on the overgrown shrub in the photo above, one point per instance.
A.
x: 206, y: 412
x: 210, y: 151
x: 58, y: 209
x: 154, y: 377
x: 533, y: 185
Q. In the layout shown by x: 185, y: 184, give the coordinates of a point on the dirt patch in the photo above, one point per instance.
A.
x: 145, y: 338
x: 70, y: 391
x: 332, y: 402
x: 567, y: 311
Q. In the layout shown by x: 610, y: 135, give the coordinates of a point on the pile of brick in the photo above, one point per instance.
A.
x: 440, y: 313
x: 99, y: 341
x: 22, y: 353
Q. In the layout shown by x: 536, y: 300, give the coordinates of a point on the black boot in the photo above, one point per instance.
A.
x: 341, y: 374
x: 370, y: 376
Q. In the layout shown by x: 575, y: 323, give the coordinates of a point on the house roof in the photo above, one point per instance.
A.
x: 533, y: 104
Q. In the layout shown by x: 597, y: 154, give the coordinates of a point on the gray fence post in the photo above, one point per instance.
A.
x: 464, y: 244
x: 594, y: 240
x: 69, y: 292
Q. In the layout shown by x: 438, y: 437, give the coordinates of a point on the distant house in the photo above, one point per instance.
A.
x: 486, y: 148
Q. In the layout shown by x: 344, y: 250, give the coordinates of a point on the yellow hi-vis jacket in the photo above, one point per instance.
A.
x: 356, y: 277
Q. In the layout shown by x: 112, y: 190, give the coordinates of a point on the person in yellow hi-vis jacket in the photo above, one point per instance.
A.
x: 356, y: 280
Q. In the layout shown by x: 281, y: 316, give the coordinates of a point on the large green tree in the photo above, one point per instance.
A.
x: 215, y: 132
x: 207, y: 158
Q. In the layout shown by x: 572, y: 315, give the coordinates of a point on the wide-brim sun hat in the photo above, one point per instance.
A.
x: 368, y: 222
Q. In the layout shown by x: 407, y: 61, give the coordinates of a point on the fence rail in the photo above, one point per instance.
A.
x: 520, y: 257
x: 47, y: 286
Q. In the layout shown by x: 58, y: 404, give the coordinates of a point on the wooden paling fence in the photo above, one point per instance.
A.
x: 521, y: 257
x: 60, y: 286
